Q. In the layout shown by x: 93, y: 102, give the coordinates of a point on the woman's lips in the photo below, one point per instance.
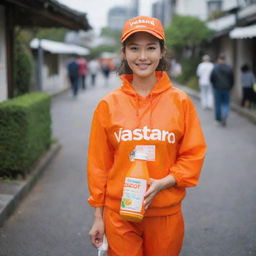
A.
x: 142, y: 66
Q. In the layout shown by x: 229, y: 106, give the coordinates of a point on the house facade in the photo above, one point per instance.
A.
x: 3, y: 66
x: 225, y: 18
x: 30, y: 13
x: 55, y: 57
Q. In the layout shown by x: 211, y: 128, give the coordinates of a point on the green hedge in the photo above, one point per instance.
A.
x: 25, y: 131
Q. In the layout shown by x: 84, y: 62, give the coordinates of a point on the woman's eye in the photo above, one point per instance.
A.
x: 152, y: 48
x: 134, y: 48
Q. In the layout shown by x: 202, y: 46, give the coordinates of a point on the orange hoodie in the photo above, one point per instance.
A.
x: 167, y: 119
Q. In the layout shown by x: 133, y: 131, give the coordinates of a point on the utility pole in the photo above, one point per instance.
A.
x: 40, y: 61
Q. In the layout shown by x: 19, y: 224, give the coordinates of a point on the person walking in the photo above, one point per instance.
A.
x: 146, y: 113
x: 204, y: 70
x: 247, y: 81
x: 73, y: 75
x: 93, y: 69
x: 222, y: 80
x: 82, y: 68
x: 105, y: 67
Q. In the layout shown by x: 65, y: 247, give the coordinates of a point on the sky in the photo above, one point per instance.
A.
x: 97, y: 9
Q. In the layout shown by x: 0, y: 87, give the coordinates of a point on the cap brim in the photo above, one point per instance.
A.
x: 141, y: 30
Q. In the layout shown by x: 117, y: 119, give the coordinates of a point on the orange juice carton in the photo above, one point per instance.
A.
x: 135, y: 186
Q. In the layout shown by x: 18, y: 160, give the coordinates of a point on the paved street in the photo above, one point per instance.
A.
x: 220, y: 213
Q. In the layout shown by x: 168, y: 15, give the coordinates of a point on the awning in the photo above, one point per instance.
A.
x: 243, y: 32
x: 58, y: 47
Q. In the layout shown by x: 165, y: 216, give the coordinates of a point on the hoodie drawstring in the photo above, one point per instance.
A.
x: 137, y: 110
x: 151, y: 110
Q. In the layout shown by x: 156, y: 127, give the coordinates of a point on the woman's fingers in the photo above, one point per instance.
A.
x: 96, y: 238
x: 96, y: 233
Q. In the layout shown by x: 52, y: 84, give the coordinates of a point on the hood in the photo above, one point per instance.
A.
x: 162, y: 84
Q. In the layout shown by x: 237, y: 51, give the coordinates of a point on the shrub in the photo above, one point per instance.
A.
x: 25, y: 131
x: 193, y: 83
x: 23, y: 67
x: 189, y: 67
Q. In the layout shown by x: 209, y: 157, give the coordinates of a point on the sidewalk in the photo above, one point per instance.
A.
x: 247, y: 113
x: 12, y: 192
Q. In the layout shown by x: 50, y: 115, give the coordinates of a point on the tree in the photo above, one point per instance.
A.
x: 186, y: 32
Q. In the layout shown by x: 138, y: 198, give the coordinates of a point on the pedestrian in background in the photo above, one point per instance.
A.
x: 204, y: 70
x: 83, y: 68
x: 105, y: 67
x: 148, y: 112
x: 94, y: 68
x: 73, y: 75
x: 222, y: 80
x: 247, y: 81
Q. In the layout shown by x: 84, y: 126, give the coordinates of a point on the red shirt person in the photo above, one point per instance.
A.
x: 82, y: 70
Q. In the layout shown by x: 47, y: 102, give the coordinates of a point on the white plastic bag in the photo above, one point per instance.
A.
x: 102, y: 250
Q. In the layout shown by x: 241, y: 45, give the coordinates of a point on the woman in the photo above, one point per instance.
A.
x: 147, y: 112
x: 247, y: 81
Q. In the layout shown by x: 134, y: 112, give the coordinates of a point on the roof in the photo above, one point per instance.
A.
x: 222, y: 23
x: 243, y: 32
x: 58, y: 47
x: 45, y: 13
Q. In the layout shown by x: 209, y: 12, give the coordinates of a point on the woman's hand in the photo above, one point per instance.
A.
x: 155, y: 186
x: 97, y: 231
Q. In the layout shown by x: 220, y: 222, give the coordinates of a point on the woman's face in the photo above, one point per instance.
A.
x: 143, y: 53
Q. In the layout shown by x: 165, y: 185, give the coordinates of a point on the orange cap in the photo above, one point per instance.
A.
x: 147, y: 24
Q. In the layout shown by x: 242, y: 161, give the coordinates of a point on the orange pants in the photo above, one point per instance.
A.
x: 154, y: 236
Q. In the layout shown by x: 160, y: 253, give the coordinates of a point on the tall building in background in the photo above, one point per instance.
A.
x: 119, y: 14
x: 164, y: 10
x: 134, y: 8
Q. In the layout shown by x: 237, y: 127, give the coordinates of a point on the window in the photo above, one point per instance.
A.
x: 214, y: 8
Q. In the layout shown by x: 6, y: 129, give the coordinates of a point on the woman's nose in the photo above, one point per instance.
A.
x: 142, y: 55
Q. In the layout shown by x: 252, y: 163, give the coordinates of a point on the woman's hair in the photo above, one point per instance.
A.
x: 163, y: 65
x: 245, y: 68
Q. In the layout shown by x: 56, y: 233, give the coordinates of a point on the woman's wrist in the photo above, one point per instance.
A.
x: 98, y: 213
x: 167, y: 182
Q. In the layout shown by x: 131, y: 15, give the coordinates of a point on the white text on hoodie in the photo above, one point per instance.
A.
x: 144, y: 133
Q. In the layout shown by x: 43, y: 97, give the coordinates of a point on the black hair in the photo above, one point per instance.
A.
x: 245, y: 68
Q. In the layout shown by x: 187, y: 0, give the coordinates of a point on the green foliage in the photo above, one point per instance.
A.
x: 189, y: 67
x: 186, y: 31
x: 193, y: 83
x: 23, y: 65
x: 55, y: 34
x: 108, y: 32
x: 96, y: 51
x: 25, y: 131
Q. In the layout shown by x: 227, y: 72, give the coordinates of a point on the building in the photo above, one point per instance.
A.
x: 163, y: 10
x: 234, y: 26
x: 56, y: 56
x: 29, y: 13
x: 119, y: 14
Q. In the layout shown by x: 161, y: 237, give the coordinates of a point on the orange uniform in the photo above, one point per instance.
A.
x: 167, y: 120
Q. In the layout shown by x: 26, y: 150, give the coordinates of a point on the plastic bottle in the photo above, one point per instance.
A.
x: 135, y: 186
x: 102, y: 250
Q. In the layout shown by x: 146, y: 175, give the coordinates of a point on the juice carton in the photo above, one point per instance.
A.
x: 135, y: 186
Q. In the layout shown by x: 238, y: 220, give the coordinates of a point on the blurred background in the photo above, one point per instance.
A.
x: 58, y: 59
